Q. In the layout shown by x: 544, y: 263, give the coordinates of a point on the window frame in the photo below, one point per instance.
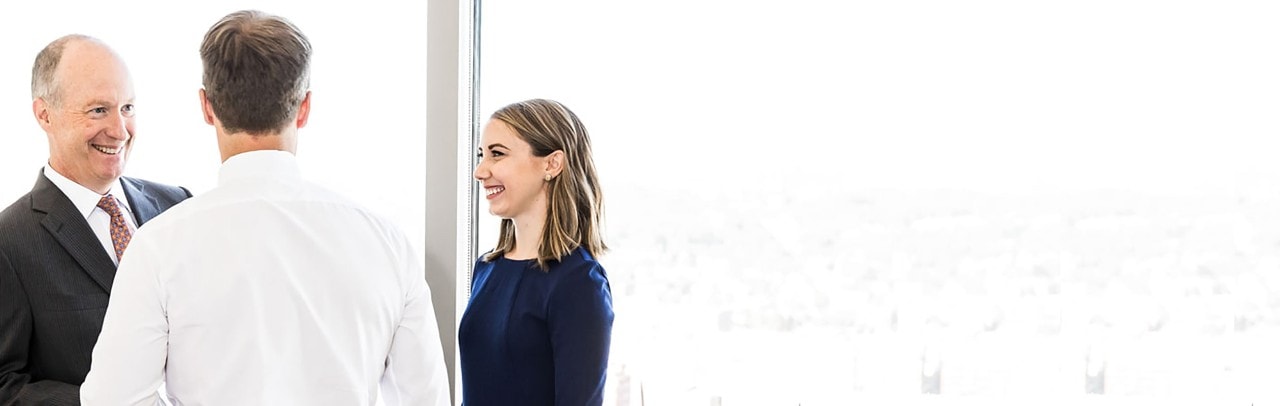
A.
x: 450, y: 247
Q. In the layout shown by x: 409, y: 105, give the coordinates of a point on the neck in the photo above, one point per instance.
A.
x: 100, y: 188
x: 237, y: 143
x: 528, y: 234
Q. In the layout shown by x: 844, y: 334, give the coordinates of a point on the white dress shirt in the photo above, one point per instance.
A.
x: 86, y: 202
x: 268, y: 290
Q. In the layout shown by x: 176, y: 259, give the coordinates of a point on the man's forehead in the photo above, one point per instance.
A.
x: 86, y: 82
x: 96, y: 91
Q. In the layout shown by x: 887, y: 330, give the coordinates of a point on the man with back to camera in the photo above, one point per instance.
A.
x: 268, y: 289
x: 60, y: 243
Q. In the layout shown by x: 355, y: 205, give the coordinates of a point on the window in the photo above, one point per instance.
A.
x: 817, y: 202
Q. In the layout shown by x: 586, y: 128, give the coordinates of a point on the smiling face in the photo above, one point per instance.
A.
x: 514, y: 180
x: 90, y: 127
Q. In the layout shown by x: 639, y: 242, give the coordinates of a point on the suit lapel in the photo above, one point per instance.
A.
x: 70, y: 229
x: 144, y: 206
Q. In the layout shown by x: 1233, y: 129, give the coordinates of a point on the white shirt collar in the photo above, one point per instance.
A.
x: 258, y: 165
x: 84, y: 199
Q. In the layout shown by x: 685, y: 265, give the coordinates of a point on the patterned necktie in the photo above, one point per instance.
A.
x: 120, y: 234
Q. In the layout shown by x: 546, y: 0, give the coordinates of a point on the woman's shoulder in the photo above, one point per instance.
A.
x: 579, y: 259
x: 579, y: 282
x: 579, y: 266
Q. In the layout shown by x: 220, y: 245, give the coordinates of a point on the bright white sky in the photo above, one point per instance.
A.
x: 998, y: 96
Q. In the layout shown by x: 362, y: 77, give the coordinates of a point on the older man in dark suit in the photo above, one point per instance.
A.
x: 60, y: 243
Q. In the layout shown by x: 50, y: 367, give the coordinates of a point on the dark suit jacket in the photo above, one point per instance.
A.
x: 54, y: 280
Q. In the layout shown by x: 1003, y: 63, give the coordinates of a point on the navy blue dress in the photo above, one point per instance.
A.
x: 530, y: 337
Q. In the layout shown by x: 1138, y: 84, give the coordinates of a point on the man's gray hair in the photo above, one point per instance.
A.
x: 44, y: 84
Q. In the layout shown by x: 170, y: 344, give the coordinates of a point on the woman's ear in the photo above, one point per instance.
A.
x: 555, y: 163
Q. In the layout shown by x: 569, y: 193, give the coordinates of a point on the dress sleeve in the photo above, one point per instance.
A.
x: 580, y: 320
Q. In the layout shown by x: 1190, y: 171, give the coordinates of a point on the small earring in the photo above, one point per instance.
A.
x: 547, y: 178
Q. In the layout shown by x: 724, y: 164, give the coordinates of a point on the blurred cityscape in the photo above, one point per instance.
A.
x: 898, y: 297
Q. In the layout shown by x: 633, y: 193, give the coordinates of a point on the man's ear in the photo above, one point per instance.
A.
x: 40, y: 109
x: 304, y: 110
x: 555, y: 163
x: 206, y: 108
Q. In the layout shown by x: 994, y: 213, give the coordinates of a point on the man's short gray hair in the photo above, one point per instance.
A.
x: 44, y: 84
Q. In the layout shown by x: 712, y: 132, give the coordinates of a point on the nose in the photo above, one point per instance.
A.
x: 482, y: 170
x: 120, y: 127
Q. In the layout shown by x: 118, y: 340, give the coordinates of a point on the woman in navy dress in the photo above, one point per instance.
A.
x: 536, y: 329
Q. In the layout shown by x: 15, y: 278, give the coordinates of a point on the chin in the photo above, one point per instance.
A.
x: 501, y: 215
x: 111, y: 176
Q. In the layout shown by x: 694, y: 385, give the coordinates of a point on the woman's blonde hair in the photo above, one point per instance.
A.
x: 575, y: 208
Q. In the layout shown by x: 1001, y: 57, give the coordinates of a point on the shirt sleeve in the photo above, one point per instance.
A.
x: 129, y: 358
x: 415, y: 372
x: 580, y: 320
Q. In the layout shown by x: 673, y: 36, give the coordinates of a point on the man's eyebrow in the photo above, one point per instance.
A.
x: 103, y: 102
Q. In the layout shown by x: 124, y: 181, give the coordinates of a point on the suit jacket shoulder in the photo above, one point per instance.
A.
x: 18, y: 219
x: 149, y: 199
